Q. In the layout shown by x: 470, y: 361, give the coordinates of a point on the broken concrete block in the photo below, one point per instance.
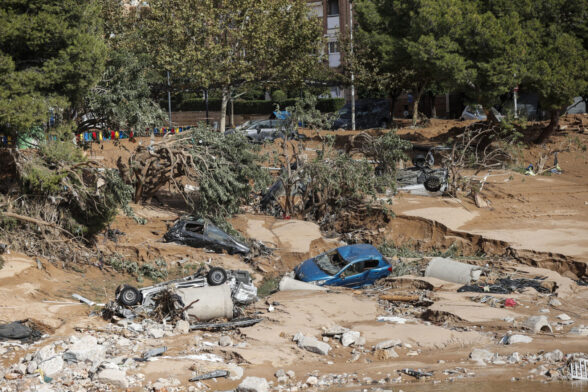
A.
x: 311, y: 344
x: 349, y: 338
x: 514, y: 358
x: 538, y: 324
x: 312, y: 381
x: 113, y: 377
x: 335, y: 330
x: 289, y: 284
x: 554, y: 302
x: 182, y: 327
x: 387, y: 344
x: 253, y: 384
x: 554, y: 356
x: 225, y: 341
x: 580, y: 331
x: 481, y: 355
x: 514, y: 339
x: 564, y: 317
x: 52, y: 367
x: 86, y: 349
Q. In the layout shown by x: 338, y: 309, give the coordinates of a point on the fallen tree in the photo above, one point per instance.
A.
x: 212, y: 172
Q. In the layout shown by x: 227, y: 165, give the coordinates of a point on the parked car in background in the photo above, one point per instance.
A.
x: 201, y: 233
x: 258, y: 131
x: 349, y: 266
x: 368, y: 114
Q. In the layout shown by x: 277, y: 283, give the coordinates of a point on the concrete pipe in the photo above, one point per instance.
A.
x: 213, y: 302
x: 289, y: 284
x: 452, y: 271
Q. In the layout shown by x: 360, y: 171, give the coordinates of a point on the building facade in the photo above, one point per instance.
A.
x: 335, y: 15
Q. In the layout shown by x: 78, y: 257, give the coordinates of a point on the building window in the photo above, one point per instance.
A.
x: 333, y: 7
x: 334, y: 47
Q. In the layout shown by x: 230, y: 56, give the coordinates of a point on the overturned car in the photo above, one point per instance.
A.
x: 202, y: 233
x: 202, y: 295
x: 422, y: 178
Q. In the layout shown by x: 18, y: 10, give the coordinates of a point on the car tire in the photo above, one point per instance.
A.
x: 128, y: 295
x: 433, y: 184
x: 216, y: 276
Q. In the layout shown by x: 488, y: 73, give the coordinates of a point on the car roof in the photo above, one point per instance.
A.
x: 353, y: 253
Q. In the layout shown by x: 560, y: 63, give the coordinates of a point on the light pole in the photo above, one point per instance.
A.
x: 352, y: 74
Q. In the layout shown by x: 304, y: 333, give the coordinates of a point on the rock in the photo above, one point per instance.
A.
x: 86, y: 349
x: 349, y: 338
x: 225, y: 341
x: 280, y: 373
x: 155, y: 332
x: 182, y: 327
x: 52, y: 367
x: 389, y: 353
x: 235, y: 371
x: 326, y: 339
x: 538, y: 324
x: 481, y: 355
x: 44, y: 354
x: 580, y: 331
x: 554, y: 302
x: 514, y: 358
x: 312, y: 381
x: 114, y: 377
x: 298, y: 337
x: 564, y: 317
x: 19, y: 368
x: 514, y: 339
x: 387, y: 344
x: 291, y: 374
x: 554, y: 356
x: 32, y: 367
x: 310, y: 343
x: 544, y: 310
x: 253, y: 384
x: 335, y: 330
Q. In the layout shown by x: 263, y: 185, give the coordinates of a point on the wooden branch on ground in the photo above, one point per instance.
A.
x: 35, y: 221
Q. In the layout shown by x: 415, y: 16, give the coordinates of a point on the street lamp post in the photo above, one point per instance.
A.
x: 352, y: 74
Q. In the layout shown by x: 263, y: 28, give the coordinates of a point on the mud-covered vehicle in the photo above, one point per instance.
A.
x: 423, y: 177
x: 201, y: 233
x: 242, y: 288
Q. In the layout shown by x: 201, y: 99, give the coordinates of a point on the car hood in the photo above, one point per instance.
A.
x: 308, y: 271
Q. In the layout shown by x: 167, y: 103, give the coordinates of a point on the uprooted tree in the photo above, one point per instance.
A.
x: 54, y: 200
x: 213, y: 173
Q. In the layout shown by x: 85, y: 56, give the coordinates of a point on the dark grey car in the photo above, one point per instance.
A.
x: 201, y: 233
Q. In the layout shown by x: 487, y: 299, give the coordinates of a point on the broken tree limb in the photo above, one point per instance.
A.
x: 35, y: 221
x: 399, y: 298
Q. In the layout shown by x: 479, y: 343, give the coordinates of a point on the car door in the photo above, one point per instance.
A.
x: 266, y: 130
x: 373, y: 271
x: 353, y: 275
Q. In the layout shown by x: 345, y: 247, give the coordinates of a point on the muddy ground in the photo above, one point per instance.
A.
x: 534, y: 227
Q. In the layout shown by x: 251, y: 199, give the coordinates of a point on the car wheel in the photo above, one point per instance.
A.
x: 128, y: 295
x: 216, y: 276
x: 433, y: 184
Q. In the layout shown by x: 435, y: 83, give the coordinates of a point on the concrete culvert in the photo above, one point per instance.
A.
x: 538, y: 324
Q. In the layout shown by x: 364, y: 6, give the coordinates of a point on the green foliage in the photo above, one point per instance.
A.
x: 89, y: 198
x: 386, y: 151
x: 279, y: 96
x: 268, y: 286
x: 325, y: 105
x: 51, y: 54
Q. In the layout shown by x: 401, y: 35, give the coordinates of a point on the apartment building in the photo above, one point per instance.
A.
x: 335, y: 16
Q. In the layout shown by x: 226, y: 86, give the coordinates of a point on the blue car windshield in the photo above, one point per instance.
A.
x: 330, y: 262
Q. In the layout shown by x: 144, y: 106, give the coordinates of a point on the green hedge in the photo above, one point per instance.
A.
x: 248, y: 107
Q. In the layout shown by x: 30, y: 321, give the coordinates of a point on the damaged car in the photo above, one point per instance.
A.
x: 423, y: 178
x: 348, y: 266
x: 242, y: 289
x: 202, y: 233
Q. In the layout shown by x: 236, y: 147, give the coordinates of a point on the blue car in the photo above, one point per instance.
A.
x: 349, y: 266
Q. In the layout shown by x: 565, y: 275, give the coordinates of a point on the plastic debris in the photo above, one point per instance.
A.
x: 416, y: 373
x: 510, y: 303
x: 579, y: 369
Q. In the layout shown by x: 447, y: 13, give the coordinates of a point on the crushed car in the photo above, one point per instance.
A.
x: 423, y: 178
x: 202, y: 233
x: 242, y: 289
x: 350, y: 266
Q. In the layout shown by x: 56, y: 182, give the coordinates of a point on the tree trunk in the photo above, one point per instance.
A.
x: 433, y: 108
x: 551, y: 127
x: 415, y: 110
x: 223, y: 114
